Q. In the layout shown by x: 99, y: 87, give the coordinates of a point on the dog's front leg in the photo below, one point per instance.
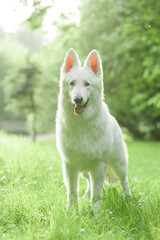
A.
x: 97, y: 174
x: 70, y: 179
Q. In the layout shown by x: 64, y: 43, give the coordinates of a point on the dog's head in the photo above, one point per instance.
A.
x: 82, y: 83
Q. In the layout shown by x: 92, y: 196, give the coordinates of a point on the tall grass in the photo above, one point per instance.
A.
x: 33, y: 196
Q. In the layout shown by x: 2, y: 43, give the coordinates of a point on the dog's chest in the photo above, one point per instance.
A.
x: 84, y: 143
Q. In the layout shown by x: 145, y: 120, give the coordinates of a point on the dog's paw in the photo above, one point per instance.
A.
x: 128, y: 194
x: 97, y: 206
x: 72, y: 207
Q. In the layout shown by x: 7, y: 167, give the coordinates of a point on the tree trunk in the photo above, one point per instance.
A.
x: 34, y: 120
x: 34, y: 133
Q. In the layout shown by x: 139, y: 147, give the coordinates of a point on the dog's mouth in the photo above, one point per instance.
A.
x: 79, y: 109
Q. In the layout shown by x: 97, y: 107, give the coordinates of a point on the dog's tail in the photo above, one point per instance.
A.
x: 111, y: 177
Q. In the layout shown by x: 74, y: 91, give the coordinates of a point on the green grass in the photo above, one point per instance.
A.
x: 33, y: 196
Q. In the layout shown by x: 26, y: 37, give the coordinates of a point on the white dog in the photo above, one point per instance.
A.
x: 89, y: 139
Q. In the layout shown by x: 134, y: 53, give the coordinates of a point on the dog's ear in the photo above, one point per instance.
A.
x: 71, y: 60
x: 93, y: 62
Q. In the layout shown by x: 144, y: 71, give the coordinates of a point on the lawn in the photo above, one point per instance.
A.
x: 33, y: 196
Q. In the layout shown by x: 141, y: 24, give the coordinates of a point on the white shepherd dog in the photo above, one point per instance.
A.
x: 89, y: 138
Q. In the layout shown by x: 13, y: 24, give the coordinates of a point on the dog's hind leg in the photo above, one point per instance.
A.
x: 125, y: 186
x: 121, y: 171
x: 87, y: 177
x: 71, y: 181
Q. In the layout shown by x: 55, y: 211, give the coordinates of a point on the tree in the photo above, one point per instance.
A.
x: 126, y: 33
x: 11, y: 53
x: 23, y: 90
x: 40, y: 8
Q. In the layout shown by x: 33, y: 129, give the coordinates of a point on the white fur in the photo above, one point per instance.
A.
x: 90, y: 143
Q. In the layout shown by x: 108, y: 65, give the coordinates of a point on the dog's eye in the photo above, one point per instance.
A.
x: 71, y: 83
x: 87, y: 84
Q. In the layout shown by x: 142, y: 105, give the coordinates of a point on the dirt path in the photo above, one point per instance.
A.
x: 43, y: 137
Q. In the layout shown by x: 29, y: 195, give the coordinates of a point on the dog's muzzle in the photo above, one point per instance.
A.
x: 79, y: 109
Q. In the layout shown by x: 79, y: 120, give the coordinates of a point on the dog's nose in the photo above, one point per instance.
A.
x: 78, y: 99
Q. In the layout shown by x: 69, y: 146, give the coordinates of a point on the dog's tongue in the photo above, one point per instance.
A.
x: 78, y: 109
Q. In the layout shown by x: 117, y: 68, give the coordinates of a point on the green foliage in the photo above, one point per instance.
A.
x: 25, y: 71
x: 33, y: 196
x: 23, y: 90
x: 32, y: 40
x: 125, y: 33
x: 8, y: 62
x: 40, y: 8
x: 36, y: 18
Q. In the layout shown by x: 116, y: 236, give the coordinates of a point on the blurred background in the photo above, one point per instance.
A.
x: 34, y: 38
